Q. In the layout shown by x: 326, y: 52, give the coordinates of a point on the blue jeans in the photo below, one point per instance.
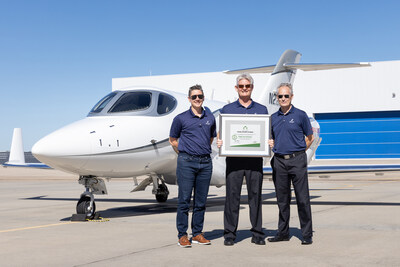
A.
x: 193, y: 172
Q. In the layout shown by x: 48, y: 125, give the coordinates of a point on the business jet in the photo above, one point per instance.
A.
x: 125, y: 135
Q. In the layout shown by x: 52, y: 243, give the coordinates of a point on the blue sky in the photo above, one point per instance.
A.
x: 57, y: 58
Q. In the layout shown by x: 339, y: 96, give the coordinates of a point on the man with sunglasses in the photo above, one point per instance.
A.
x: 195, y: 129
x: 238, y: 167
x: 292, y: 135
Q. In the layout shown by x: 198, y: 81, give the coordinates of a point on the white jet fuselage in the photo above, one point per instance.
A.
x: 120, y: 145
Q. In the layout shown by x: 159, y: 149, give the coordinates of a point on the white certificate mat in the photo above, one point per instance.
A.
x: 244, y: 135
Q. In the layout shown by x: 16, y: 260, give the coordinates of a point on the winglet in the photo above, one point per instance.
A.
x: 17, y: 156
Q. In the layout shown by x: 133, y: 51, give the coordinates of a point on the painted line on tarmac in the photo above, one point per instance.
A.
x: 35, y: 227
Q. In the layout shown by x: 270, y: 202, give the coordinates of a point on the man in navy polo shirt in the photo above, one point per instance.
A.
x: 195, y: 129
x: 239, y: 167
x: 292, y: 135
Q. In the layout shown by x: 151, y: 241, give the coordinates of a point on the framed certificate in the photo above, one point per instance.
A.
x: 244, y: 135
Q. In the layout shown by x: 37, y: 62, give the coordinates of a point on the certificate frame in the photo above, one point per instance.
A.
x: 245, y: 135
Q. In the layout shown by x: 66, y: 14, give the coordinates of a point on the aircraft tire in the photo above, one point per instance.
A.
x: 161, y: 197
x: 162, y: 193
x: 83, y: 205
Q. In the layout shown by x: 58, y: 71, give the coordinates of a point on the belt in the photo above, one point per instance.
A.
x: 289, y: 156
x: 195, y: 156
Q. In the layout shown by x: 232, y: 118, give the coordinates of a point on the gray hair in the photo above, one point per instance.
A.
x: 288, y: 85
x: 196, y: 87
x: 244, y: 76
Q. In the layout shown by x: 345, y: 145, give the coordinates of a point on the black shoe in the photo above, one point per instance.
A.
x: 258, y: 240
x: 307, y: 241
x: 229, y: 241
x: 278, y: 238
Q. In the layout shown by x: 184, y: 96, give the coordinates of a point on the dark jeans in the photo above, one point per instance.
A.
x: 285, y: 172
x: 236, y: 169
x: 193, y: 174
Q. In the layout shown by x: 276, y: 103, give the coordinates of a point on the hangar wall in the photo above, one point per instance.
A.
x: 358, y: 109
x: 375, y: 88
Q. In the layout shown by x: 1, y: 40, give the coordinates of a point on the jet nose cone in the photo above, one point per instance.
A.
x: 63, y: 149
x: 41, y: 151
x: 37, y: 149
x: 44, y: 148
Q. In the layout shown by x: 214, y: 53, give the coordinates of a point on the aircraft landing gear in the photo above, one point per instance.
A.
x: 160, y: 190
x: 86, y: 205
x: 162, y: 193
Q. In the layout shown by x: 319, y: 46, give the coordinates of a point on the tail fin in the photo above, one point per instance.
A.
x: 285, y: 71
x: 279, y: 74
x: 17, y: 156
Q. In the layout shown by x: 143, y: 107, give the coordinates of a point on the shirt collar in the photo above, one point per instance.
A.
x: 240, y: 105
x: 203, y: 112
x: 290, y: 111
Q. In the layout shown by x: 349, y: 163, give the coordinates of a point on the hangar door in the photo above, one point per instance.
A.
x: 359, y: 135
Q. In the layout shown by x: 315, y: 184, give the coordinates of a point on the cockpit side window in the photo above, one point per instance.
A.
x: 166, y: 103
x: 102, y: 103
x: 132, y: 101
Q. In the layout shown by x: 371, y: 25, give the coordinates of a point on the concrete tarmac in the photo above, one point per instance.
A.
x: 356, y: 218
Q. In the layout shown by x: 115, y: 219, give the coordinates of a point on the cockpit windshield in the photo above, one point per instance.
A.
x: 132, y: 101
x: 102, y: 103
x: 135, y: 103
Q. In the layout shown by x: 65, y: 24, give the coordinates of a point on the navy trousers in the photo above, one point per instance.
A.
x: 193, y: 175
x: 285, y: 172
x: 236, y: 170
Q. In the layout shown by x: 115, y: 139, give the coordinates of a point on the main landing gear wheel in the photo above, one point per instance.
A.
x: 83, y: 207
x: 162, y: 193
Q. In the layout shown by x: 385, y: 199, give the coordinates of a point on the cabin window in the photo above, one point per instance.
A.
x: 166, y: 103
x: 132, y: 101
x: 102, y: 103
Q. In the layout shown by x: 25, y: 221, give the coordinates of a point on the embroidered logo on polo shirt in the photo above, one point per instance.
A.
x: 291, y: 121
x: 208, y: 123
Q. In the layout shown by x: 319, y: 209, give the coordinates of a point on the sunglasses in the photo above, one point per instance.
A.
x: 247, y: 86
x: 286, y: 96
x: 193, y: 97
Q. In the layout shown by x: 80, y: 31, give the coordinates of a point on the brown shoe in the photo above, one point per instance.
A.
x: 184, y: 242
x: 200, y: 239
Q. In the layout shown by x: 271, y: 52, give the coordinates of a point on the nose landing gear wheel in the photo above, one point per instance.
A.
x: 83, y: 207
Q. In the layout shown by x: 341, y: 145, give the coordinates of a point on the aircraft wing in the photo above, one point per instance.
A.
x: 27, y: 165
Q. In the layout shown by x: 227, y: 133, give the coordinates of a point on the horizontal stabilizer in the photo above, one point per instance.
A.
x: 324, y: 66
x: 265, y: 69
x: 300, y: 66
